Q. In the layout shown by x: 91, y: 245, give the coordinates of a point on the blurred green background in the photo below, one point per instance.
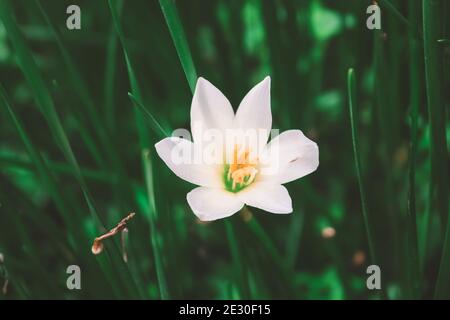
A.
x: 77, y: 155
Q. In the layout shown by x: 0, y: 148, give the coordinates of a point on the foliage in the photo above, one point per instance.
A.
x: 80, y: 112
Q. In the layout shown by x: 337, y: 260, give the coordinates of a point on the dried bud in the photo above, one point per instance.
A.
x: 97, y: 246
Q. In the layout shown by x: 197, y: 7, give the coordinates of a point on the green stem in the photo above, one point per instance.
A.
x: 236, y: 256
x: 432, y: 30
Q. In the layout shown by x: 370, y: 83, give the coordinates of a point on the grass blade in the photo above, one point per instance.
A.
x: 116, y: 8
x: 37, y: 160
x: 414, y: 31
x: 179, y: 39
x: 154, y: 233
x: 45, y: 102
x: 351, y: 83
x: 59, y: 168
x: 77, y: 81
x: 156, y: 126
x: 110, y: 75
x: 432, y: 30
x: 41, y: 93
x: 414, y: 100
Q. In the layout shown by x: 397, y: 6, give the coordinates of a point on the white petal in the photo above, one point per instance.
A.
x: 180, y: 155
x: 210, y: 109
x: 289, y: 156
x: 210, y: 204
x: 254, y: 111
x: 267, y: 196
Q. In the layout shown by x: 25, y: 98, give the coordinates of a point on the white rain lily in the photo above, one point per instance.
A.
x: 241, y: 168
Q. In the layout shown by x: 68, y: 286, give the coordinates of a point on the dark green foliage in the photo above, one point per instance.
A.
x: 81, y: 110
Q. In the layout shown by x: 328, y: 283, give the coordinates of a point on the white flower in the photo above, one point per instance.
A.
x: 247, y: 170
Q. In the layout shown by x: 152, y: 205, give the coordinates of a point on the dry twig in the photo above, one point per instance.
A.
x: 97, y: 246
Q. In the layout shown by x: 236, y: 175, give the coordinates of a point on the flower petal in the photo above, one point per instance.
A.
x: 289, y: 156
x: 180, y: 155
x: 210, y: 109
x: 254, y: 112
x: 210, y: 204
x: 267, y: 196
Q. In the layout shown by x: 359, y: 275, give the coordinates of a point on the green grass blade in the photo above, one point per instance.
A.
x: 179, y: 39
x: 351, y: 83
x: 110, y: 75
x: 116, y: 8
x: 435, y: 97
x: 37, y: 160
x: 386, y: 114
x: 270, y: 249
x: 59, y: 168
x: 51, y: 185
x: 413, y: 29
x: 156, y: 126
x: 78, y: 84
x: 144, y: 140
x: 154, y: 233
x: 45, y: 103
x: 41, y: 94
x: 412, y: 245
x: 432, y: 30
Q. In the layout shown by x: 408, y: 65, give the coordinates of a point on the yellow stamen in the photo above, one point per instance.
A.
x: 242, y: 171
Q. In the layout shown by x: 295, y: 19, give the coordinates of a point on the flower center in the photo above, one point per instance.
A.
x: 241, y: 172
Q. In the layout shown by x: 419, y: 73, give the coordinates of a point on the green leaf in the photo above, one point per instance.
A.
x: 351, y: 84
x: 179, y: 39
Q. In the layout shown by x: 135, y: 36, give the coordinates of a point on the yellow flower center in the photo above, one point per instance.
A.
x: 241, y: 172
